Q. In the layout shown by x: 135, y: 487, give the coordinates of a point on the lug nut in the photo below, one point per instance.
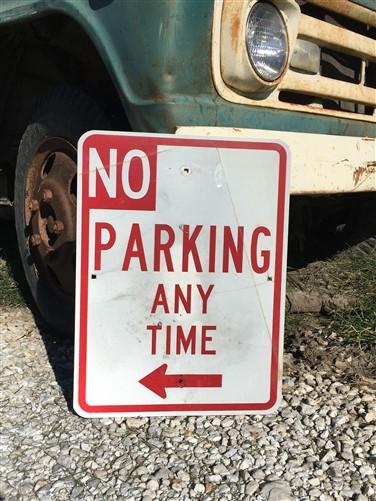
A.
x: 34, y: 205
x: 35, y: 240
x: 58, y: 227
x: 47, y: 195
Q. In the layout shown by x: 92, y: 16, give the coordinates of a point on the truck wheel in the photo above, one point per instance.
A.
x: 45, y: 200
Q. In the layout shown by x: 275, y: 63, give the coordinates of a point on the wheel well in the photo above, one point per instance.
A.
x: 36, y: 56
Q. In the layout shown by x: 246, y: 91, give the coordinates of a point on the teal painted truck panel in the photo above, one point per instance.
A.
x: 158, y: 54
x: 369, y: 4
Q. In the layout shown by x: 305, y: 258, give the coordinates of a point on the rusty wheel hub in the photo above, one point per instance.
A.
x: 50, y: 212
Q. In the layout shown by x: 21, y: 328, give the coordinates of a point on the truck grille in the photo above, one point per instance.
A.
x: 346, y: 81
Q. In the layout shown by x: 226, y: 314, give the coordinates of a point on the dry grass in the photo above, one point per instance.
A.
x: 352, y: 275
x: 12, y: 282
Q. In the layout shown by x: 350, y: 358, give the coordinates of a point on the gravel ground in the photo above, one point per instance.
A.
x: 320, y: 445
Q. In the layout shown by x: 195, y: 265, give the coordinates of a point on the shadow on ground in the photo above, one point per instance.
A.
x: 60, y: 349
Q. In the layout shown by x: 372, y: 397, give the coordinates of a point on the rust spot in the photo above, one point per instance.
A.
x: 364, y: 170
x: 235, y: 29
x: 342, y: 161
x: 158, y: 98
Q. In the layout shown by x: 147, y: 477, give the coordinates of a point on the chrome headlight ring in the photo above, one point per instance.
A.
x: 267, y: 41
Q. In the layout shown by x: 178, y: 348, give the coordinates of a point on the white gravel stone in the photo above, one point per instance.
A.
x: 153, y: 485
x: 277, y: 491
x: 183, y: 476
x: 314, y: 481
x: 226, y: 423
x: 220, y: 469
x: 251, y: 488
x: 214, y: 479
x: 136, y: 422
x: 366, y: 470
x: 370, y: 417
x: 244, y: 465
x: 314, y: 493
x: 199, y: 488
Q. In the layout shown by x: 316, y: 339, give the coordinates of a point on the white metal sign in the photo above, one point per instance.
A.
x: 181, y: 256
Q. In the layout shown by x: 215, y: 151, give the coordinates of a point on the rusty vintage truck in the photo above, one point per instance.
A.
x: 300, y: 71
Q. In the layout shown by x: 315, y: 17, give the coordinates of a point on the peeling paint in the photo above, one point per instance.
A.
x: 364, y: 171
x: 235, y: 28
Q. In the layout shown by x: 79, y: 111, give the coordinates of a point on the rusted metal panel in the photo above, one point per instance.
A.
x: 316, y: 85
x: 337, y: 38
x: 320, y: 163
x: 348, y: 9
x: 174, y: 83
x: 226, y: 11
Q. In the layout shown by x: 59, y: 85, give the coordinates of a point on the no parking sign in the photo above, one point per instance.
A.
x: 181, y: 257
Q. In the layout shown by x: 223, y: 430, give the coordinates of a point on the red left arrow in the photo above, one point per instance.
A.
x: 157, y: 381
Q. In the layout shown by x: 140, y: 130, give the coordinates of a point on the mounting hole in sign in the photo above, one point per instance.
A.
x: 185, y: 170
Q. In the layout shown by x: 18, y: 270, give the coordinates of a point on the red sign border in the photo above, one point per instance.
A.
x: 164, y: 140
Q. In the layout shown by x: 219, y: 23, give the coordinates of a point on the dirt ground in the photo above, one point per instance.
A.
x: 335, y: 300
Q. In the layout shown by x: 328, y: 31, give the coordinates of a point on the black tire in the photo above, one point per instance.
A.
x: 64, y: 113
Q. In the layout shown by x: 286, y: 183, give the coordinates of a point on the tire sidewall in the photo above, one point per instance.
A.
x: 70, y: 118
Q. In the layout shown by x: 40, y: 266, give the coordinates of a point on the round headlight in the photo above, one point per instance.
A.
x: 267, y: 41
